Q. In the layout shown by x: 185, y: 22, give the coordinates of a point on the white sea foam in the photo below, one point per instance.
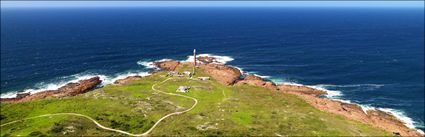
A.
x: 366, y: 107
x: 331, y: 94
x: 147, y: 64
x: 402, y: 116
x: 150, y: 64
x: 10, y: 94
x: 240, y: 70
x: 43, y: 86
x: 111, y: 80
x: 335, y: 95
x: 219, y: 59
x: 357, y: 86
x: 354, y: 85
x: 261, y: 76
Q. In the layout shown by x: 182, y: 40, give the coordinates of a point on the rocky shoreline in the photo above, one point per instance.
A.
x: 70, y: 89
x: 232, y: 76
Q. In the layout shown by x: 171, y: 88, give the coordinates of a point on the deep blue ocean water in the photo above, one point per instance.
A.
x: 374, y: 57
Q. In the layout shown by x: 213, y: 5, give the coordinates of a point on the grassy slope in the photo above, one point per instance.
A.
x: 222, y: 110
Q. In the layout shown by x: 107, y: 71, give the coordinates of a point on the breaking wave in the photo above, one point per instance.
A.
x: 331, y: 94
x: 401, y: 115
x: 43, y: 86
x: 150, y: 64
x: 112, y: 79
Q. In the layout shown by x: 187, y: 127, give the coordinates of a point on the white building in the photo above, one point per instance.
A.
x: 183, y: 89
x: 204, y: 78
x: 187, y: 73
x: 172, y: 73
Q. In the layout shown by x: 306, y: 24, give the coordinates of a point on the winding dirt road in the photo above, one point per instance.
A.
x: 117, y: 130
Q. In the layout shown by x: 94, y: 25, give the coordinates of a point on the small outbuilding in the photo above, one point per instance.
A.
x: 183, y: 89
x: 172, y: 73
x: 187, y: 73
x: 204, y: 78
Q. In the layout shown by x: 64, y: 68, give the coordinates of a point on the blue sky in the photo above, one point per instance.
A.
x: 27, y: 4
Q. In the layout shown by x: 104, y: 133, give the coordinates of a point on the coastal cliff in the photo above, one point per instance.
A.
x: 70, y: 89
x: 127, y: 79
x: 232, y: 77
x: 224, y: 74
x: 134, y: 94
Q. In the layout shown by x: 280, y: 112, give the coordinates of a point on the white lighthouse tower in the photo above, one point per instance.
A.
x: 194, y: 62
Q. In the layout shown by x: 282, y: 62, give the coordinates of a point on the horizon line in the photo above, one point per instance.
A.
x: 87, y: 4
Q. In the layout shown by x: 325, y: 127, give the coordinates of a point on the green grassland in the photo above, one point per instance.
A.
x: 221, y: 110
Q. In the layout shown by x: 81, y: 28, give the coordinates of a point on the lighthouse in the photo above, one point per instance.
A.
x: 194, y: 57
x: 194, y: 62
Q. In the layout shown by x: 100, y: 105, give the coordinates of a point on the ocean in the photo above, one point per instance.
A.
x: 370, y: 56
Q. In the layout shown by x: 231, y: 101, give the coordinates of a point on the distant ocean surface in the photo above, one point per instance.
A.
x: 374, y: 57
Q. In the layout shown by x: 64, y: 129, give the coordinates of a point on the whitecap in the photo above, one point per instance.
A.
x: 331, y: 94
x: 261, y: 76
x: 402, y: 116
x: 366, y: 107
x: 374, y: 86
x: 253, y: 73
x: 10, y: 94
x: 147, y: 64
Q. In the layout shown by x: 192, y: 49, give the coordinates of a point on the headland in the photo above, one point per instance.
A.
x: 233, y: 78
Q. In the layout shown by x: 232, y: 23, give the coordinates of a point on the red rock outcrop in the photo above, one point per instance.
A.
x: 252, y: 77
x: 257, y: 81
x: 229, y: 75
x: 70, y: 89
x: 222, y: 73
x: 127, y: 79
x: 206, y: 59
x: 167, y: 65
x: 302, y: 89
x: 375, y: 118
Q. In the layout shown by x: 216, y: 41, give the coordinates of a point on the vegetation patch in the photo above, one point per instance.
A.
x: 221, y: 111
